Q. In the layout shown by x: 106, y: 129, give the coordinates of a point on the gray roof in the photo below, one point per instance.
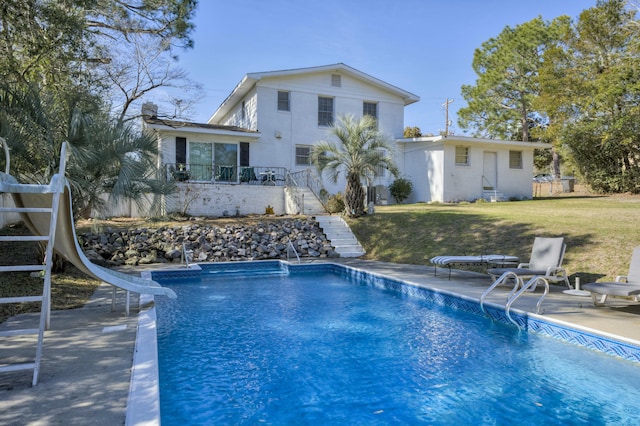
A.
x: 155, y: 122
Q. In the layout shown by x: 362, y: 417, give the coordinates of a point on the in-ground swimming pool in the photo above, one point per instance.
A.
x: 323, y: 346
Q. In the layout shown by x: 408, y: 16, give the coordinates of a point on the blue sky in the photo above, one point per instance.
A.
x: 422, y: 46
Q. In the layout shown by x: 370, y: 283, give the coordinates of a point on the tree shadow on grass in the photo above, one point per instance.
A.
x: 416, y: 237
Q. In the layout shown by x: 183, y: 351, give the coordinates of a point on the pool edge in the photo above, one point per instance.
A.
x: 143, y: 407
x: 143, y: 404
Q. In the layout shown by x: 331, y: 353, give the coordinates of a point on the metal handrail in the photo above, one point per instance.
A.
x: 294, y: 250
x: 531, y: 284
x: 297, y: 195
x: 309, y: 179
x: 185, y: 258
x: 495, y: 190
x: 518, y: 289
x: 225, y: 173
x: 501, y: 280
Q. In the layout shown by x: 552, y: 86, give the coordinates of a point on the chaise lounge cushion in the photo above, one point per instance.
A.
x: 613, y: 288
x: 624, y: 285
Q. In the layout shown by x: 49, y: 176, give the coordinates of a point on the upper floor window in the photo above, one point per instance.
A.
x: 462, y: 156
x: 371, y: 109
x: 283, y: 101
x: 243, y: 111
x: 515, y: 159
x: 325, y: 111
x: 303, y: 155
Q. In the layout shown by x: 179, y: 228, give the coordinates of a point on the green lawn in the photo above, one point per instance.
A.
x: 600, y: 232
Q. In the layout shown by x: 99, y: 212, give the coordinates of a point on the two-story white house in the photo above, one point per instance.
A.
x: 257, y: 144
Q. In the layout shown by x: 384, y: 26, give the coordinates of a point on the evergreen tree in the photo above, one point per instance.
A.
x: 590, y: 86
x: 500, y: 103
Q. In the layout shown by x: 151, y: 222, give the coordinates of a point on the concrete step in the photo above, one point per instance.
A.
x: 312, y: 206
x: 338, y: 232
x: 494, y: 196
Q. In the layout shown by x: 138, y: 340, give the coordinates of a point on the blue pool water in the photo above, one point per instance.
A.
x: 323, y: 348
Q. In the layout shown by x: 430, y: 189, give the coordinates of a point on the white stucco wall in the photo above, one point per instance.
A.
x: 247, y: 119
x: 281, y: 131
x: 430, y: 164
x: 466, y: 182
x: 215, y: 200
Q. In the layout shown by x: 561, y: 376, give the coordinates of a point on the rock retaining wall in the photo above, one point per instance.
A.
x: 208, y: 243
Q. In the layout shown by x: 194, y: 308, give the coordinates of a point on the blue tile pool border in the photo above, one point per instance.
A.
x: 529, y: 322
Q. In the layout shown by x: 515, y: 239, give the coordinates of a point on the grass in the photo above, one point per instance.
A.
x: 600, y: 233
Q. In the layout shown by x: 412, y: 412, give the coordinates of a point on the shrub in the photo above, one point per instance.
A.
x: 400, y: 189
x: 335, y: 203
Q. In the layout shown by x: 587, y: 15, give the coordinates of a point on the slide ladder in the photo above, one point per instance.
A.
x: 518, y: 289
x: 56, y: 187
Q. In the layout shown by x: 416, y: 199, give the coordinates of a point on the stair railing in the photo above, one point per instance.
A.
x: 297, y: 195
x: 307, y: 178
x: 492, y: 186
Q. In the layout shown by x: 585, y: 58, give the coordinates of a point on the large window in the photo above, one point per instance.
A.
x: 200, y: 155
x: 462, y: 156
x: 303, y: 155
x: 325, y: 111
x: 203, y: 156
x: 283, y: 101
x: 515, y: 159
x: 226, y: 159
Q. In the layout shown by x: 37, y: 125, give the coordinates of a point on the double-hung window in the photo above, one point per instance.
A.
x: 283, y: 101
x: 462, y: 156
x: 303, y: 155
x: 370, y: 109
x: 325, y: 111
x: 515, y: 159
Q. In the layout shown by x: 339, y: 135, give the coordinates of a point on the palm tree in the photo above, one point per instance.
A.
x: 363, y: 149
x: 108, y: 156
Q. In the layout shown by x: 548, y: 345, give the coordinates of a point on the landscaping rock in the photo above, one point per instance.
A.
x: 208, y: 243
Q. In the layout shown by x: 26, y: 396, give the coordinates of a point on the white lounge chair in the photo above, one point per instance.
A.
x: 481, y: 260
x: 624, y: 285
x: 545, y: 261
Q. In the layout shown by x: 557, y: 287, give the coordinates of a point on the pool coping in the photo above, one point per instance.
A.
x: 143, y: 406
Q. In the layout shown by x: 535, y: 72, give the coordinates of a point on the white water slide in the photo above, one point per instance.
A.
x: 30, y: 200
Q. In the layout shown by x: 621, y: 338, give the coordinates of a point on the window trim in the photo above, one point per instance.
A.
x: 466, y: 155
x: 308, y: 155
x: 280, y: 102
x: 520, y: 161
x: 375, y: 110
x: 322, y: 122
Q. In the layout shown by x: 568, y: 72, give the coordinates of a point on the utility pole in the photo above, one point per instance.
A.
x: 447, y: 121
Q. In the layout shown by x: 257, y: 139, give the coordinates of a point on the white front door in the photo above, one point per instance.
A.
x: 490, y: 171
